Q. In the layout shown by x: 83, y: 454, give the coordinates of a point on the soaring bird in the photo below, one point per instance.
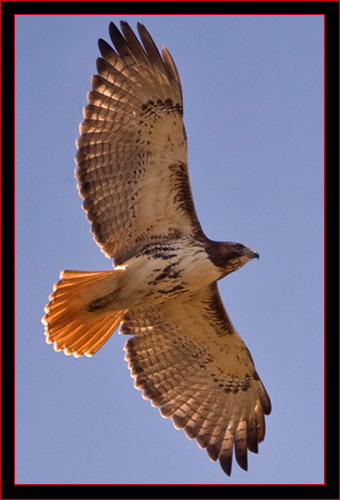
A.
x: 132, y: 172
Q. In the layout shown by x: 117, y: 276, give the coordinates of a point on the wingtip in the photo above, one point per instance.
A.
x: 242, y: 460
x: 225, y: 462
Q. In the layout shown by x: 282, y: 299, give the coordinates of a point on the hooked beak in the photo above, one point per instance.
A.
x: 253, y: 254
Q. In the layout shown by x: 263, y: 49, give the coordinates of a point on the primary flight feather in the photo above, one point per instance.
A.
x: 132, y: 173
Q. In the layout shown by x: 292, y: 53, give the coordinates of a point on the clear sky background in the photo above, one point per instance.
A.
x: 253, y: 109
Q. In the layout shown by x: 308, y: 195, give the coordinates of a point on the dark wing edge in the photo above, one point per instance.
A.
x: 190, y: 362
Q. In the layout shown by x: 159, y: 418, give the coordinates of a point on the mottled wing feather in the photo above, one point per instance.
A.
x: 132, y: 153
x: 188, y: 359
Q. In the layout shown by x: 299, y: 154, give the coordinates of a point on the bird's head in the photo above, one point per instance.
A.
x: 230, y: 256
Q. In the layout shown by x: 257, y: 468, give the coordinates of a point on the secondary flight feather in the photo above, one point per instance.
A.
x: 132, y: 173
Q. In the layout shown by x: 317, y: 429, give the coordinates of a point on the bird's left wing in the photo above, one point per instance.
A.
x: 188, y: 359
x: 132, y: 153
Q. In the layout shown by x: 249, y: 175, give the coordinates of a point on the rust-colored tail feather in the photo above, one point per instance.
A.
x: 68, y: 324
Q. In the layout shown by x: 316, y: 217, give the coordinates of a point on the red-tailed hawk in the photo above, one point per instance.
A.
x: 132, y: 172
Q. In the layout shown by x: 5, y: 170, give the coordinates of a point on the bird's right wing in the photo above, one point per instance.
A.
x: 132, y: 153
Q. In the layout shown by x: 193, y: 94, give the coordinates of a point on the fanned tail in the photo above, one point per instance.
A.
x: 70, y: 324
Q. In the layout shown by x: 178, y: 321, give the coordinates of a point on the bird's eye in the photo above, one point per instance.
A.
x: 238, y: 247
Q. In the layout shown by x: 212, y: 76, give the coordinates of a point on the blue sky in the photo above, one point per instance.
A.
x: 253, y: 109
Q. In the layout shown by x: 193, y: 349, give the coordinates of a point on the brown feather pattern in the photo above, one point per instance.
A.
x: 206, y: 382
x: 132, y: 153
x: 184, y: 354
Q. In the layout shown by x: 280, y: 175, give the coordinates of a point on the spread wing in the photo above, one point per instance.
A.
x: 188, y: 359
x: 132, y: 154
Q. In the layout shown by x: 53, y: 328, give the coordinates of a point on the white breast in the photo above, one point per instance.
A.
x: 162, y: 271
